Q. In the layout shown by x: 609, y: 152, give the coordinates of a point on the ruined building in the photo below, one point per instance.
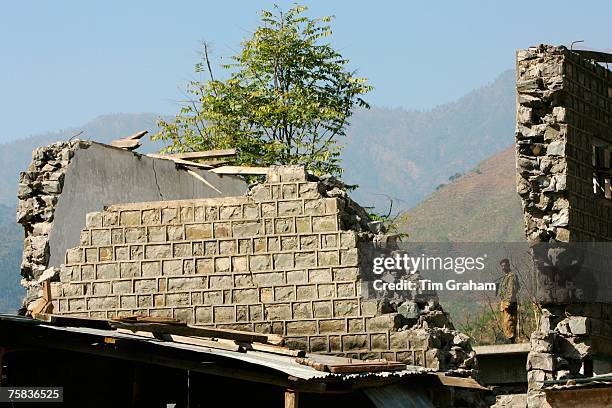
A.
x: 284, y: 258
x: 564, y: 173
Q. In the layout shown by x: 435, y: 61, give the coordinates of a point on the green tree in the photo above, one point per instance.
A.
x: 286, y: 100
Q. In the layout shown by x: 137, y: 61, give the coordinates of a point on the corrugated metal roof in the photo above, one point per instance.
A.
x: 281, y: 363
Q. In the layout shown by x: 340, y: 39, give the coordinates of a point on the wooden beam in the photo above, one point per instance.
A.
x: 291, y: 398
x: 269, y: 348
x: 256, y: 171
x: 199, y: 331
x: 206, y: 154
x: 179, y: 161
x: 194, y: 341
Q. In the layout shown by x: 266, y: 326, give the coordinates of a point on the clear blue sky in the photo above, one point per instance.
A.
x: 64, y: 62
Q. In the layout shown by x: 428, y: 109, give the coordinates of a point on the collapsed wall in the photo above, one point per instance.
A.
x: 284, y: 259
x: 564, y: 152
x: 66, y: 180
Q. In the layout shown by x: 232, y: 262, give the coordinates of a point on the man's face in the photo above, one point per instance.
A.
x: 505, y: 266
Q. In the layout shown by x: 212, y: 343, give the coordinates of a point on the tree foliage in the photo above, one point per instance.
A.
x: 286, y: 100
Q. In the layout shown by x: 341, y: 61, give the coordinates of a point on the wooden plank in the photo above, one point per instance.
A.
x: 269, y: 348
x: 194, y: 341
x: 205, y: 154
x: 179, y: 161
x: 199, y: 341
x: 197, y: 331
x: 365, y: 368
x: 60, y: 320
x: 126, y: 144
x: 256, y: 171
x: 149, y: 319
x: 459, y: 382
x: 136, y: 136
x: 356, y: 366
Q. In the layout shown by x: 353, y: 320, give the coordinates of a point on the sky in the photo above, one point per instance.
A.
x: 62, y: 63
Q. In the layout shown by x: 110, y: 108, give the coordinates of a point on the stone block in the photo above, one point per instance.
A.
x: 175, y: 233
x: 245, y: 296
x: 135, y: 235
x: 541, y: 361
x: 309, y: 242
x: 318, y: 344
x: 177, y: 299
x: 353, y: 342
x: 283, y: 261
x: 222, y: 230
x: 302, y: 327
x: 277, y: 311
x: 286, y: 208
x: 158, y: 251
x: 322, y: 308
x: 101, y: 288
x: 170, y: 216
x: 324, y: 224
x: 198, y: 231
x: 260, y: 262
x: 328, y: 258
x: 93, y: 220
x: 203, y: 315
x: 130, y: 218
x: 283, y: 226
x: 387, y: 321
x: 100, y: 237
x: 246, y: 229
x: 130, y: 269
x: 302, y: 310
x: 319, y: 275
x: 107, y: 271
x: 151, y: 217
x: 344, y: 308
x: 305, y: 259
x: 309, y: 190
x: 145, y: 286
x: 122, y: 287
x: 284, y: 293
x: 224, y: 314
x: 296, y: 276
x: 332, y: 326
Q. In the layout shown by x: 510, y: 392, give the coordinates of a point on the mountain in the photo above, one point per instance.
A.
x: 406, y: 154
x: 479, y: 206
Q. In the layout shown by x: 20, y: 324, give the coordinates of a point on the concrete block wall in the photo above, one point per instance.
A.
x: 276, y: 261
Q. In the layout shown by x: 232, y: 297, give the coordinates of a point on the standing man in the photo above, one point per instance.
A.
x: 508, y: 291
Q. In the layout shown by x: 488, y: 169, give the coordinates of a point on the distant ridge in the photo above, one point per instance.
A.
x: 480, y: 206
